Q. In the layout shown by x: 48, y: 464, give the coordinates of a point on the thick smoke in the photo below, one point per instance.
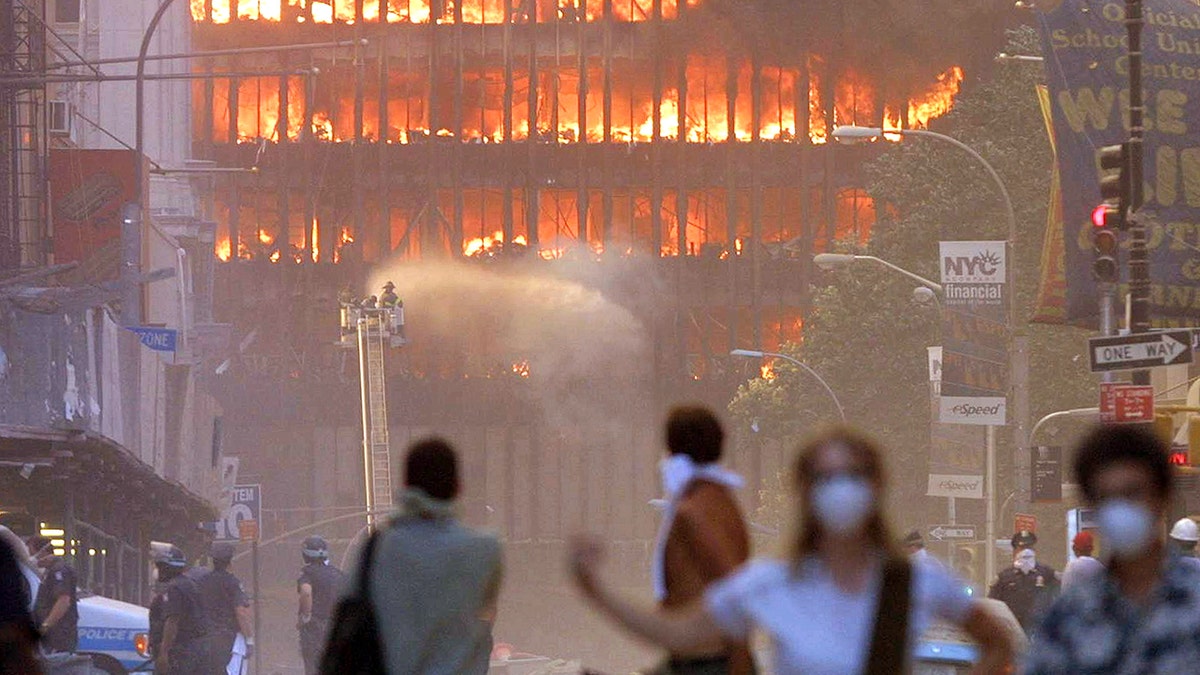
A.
x: 586, y: 355
x: 902, y: 44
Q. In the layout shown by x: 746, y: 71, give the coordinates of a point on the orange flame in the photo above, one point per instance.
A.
x: 937, y: 101
x: 766, y: 371
x: 223, y: 248
x: 521, y: 368
x: 316, y: 240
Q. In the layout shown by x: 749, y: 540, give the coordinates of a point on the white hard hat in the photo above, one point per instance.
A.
x: 1185, y: 529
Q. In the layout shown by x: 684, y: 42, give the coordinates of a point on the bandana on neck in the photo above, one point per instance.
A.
x: 414, y: 502
x: 679, y: 471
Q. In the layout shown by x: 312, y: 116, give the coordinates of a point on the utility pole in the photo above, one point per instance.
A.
x: 1139, y: 264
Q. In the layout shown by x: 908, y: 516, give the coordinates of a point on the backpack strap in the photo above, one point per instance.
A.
x: 889, y: 639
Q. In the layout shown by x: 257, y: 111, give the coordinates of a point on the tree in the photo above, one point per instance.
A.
x: 864, y: 334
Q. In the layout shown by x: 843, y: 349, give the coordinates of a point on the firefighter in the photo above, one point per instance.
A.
x: 346, y: 296
x: 318, y: 588
x: 177, y: 622
x: 369, y: 302
x: 389, y: 297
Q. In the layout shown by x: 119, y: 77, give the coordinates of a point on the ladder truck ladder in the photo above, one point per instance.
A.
x: 377, y: 455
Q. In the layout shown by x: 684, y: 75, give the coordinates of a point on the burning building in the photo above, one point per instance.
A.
x: 419, y: 129
x: 643, y: 147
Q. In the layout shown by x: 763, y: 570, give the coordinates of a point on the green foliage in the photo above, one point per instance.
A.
x: 865, y: 335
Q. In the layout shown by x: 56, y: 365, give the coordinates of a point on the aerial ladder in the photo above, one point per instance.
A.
x: 372, y: 330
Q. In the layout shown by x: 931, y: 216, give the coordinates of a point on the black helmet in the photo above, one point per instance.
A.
x: 315, y: 547
x: 222, y: 550
x: 170, y: 556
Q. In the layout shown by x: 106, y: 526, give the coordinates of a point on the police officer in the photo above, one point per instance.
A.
x: 177, y: 620
x: 1028, y: 587
x: 227, y: 613
x: 56, y: 608
x: 318, y: 588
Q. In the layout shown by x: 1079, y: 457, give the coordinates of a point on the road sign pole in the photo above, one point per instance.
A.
x: 989, y: 561
x: 257, y: 607
x: 951, y: 511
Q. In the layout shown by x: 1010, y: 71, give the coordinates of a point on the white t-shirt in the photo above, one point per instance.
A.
x: 1081, y: 568
x: 815, y: 627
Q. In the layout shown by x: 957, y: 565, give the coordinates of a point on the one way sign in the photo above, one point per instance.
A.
x: 944, y: 532
x: 1142, y: 350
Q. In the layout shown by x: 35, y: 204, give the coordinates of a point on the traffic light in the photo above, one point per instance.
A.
x: 1114, y: 187
x: 1193, y: 439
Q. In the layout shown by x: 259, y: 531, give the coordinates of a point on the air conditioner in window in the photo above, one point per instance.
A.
x: 60, y: 114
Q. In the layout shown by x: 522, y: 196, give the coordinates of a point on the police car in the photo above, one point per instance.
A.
x: 115, y: 634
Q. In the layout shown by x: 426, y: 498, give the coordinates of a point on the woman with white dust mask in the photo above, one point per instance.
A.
x: 842, y: 603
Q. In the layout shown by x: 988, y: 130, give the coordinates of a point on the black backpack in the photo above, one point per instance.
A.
x: 353, y: 646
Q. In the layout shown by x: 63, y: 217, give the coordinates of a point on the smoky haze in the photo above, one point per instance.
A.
x: 585, y: 352
x: 901, y: 44
x: 590, y: 365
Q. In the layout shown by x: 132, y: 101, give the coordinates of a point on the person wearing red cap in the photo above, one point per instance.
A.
x: 1083, y: 566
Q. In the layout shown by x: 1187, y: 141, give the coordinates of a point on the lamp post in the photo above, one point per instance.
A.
x: 828, y: 261
x: 1018, y: 366
x: 755, y: 354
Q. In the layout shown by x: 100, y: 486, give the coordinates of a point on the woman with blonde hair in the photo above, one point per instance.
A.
x: 843, y: 602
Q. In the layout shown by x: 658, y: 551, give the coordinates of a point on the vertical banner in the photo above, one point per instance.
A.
x: 975, y: 332
x: 1087, y: 71
x: 87, y: 190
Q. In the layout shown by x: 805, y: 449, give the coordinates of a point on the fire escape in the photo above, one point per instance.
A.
x: 22, y: 108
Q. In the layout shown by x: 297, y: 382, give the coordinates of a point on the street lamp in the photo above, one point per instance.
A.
x: 755, y: 354
x: 829, y: 261
x: 1018, y: 368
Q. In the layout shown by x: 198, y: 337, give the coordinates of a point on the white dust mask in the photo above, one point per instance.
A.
x: 841, y: 504
x: 1025, y: 561
x: 1126, y: 526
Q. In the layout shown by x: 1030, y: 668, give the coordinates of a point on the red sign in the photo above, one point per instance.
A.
x: 1126, y: 402
x: 1025, y: 522
x: 1133, y: 403
x: 88, y: 189
x: 1108, y: 402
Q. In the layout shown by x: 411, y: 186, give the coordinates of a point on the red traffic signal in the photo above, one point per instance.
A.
x: 1113, y: 161
x: 1102, y: 215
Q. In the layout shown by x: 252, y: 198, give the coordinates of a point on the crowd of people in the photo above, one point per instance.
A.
x: 846, y: 597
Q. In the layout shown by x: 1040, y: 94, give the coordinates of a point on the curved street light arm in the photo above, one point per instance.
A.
x: 810, y: 371
x: 1073, y: 412
x: 933, y: 285
x: 1008, y: 207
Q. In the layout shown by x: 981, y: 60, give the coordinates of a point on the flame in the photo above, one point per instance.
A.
x: 891, y: 123
x: 707, y: 117
x: 937, y: 101
x: 316, y: 240
x: 275, y: 256
x: 419, y: 11
x: 766, y: 371
x: 265, y: 237
x: 521, y: 368
x: 344, y: 237
x: 223, y: 248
